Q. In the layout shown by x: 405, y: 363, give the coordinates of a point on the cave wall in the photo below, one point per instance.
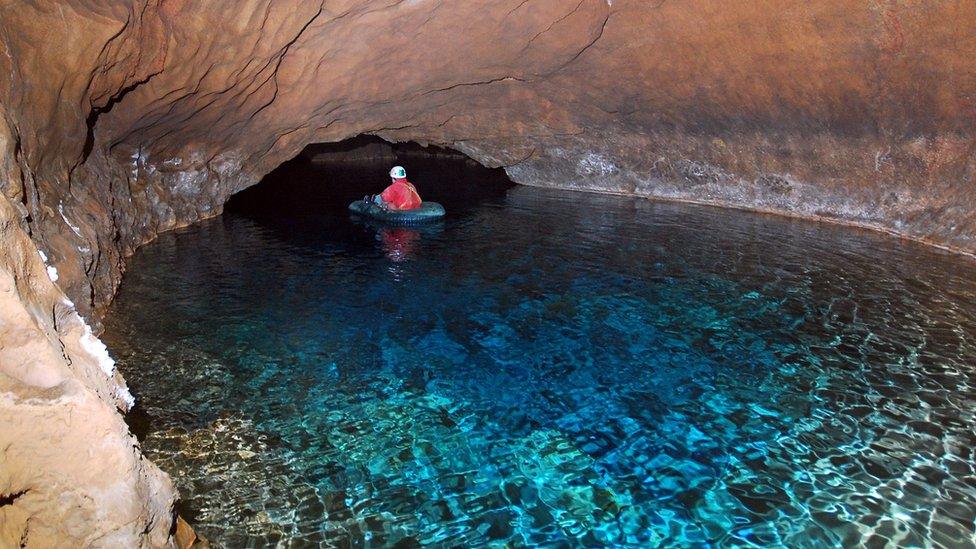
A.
x: 71, y: 473
x: 121, y: 119
x: 133, y: 117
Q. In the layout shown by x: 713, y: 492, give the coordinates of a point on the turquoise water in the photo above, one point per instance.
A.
x: 550, y: 368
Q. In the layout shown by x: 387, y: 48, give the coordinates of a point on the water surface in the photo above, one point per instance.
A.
x: 550, y: 368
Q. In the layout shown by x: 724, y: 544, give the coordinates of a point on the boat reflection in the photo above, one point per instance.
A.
x: 399, y: 243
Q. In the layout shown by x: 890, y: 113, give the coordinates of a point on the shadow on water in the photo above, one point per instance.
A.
x: 548, y: 368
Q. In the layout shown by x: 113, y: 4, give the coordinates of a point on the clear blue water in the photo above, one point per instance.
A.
x: 550, y: 368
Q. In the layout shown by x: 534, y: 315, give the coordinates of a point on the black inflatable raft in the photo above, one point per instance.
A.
x: 428, y: 211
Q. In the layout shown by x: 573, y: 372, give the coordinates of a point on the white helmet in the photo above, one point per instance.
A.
x: 398, y: 172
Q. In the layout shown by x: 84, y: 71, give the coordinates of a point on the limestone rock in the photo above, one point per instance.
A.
x: 71, y: 473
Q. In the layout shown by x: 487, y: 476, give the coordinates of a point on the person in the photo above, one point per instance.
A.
x: 401, y: 194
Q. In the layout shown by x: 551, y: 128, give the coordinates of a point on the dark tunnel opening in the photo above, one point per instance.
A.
x: 325, y: 177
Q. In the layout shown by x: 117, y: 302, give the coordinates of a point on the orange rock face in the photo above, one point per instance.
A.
x: 122, y: 119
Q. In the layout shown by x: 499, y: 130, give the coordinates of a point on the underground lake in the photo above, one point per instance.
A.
x: 548, y: 368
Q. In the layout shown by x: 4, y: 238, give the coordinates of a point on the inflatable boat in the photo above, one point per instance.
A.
x: 428, y: 211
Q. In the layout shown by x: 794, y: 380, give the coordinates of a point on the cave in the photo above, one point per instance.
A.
x: 325, y: 177
x: 716, y: 258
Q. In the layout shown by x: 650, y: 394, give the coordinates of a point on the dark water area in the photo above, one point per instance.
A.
x: 549, y: 368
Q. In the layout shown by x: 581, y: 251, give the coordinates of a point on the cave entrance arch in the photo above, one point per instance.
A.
x: 325, y: 177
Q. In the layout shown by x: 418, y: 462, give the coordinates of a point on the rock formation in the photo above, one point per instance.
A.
x: 121, y: 119
x: 71, y: 474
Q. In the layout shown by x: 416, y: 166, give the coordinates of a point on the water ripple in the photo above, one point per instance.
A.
x: 556, y: 369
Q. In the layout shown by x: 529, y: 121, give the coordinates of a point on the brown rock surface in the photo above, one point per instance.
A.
x: 119, y: 120
x: 71, y: 474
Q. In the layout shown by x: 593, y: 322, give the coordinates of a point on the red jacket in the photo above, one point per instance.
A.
x: 401, y: 195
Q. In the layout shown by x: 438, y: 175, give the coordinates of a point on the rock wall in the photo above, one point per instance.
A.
x: 128, y: 118
x: 121, y: 119
x: 71, y: 474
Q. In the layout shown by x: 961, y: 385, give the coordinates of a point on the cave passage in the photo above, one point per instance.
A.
x: 546, y: 368
x: 325, y: 177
